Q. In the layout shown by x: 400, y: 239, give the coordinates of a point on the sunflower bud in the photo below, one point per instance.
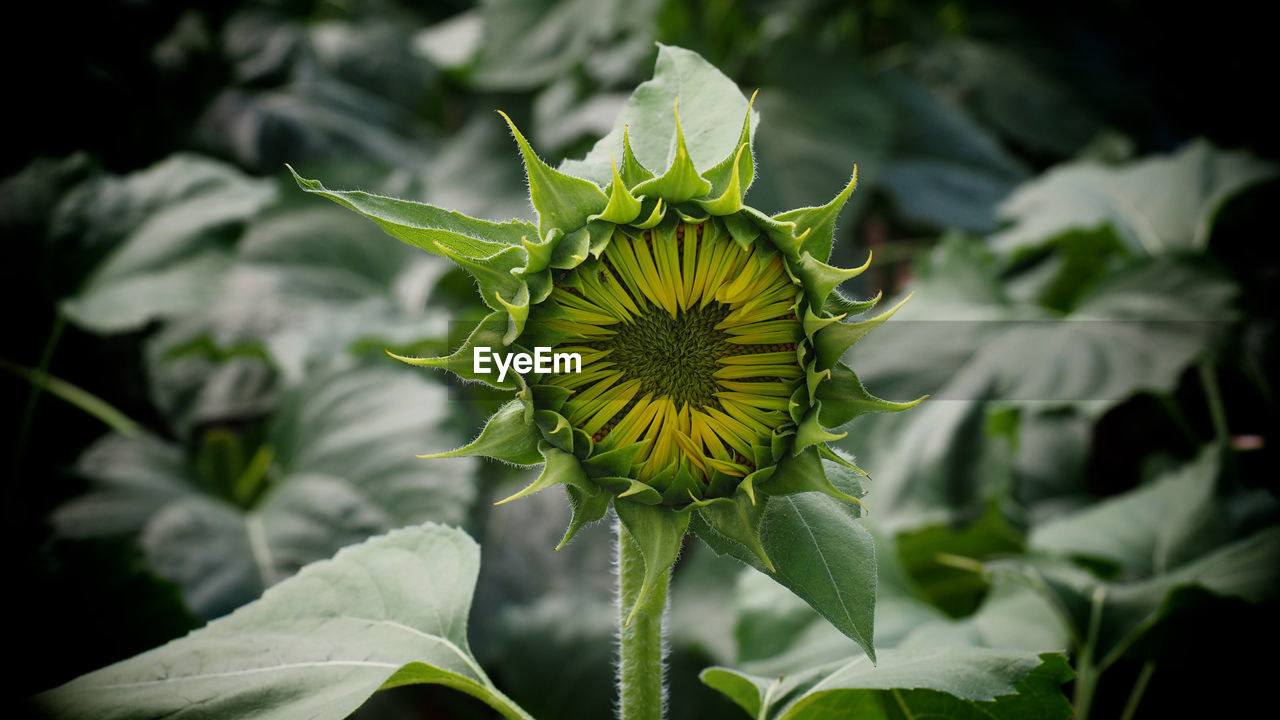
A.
x: 710, y: 337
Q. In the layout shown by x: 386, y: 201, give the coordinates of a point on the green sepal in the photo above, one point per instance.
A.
x: 832, y: 341
x: 736, y: 518
x: 633, y: 173
x: 561, y: 467
x: 631, y: 489
x: 689, y: 217
x: 536, y: 331
x: 601, y: 233
x: 506, y: 436
x: 555, y: 429
x: 799, y: 404
x: 616, y: 462
x: 783, y: 234
x: 582, y: 443
x: 495, y: 274
x: 540, y: 252
x: 658, y: 533
x: 829, y: 453
x: 588, y: 502
x: 837, y: 304
x: 517, y: 313
x: 810, y: 431
x: 813, y: 378
x: 623, y: 207
x: 820, y: 222
x: 720, y: 484
x: 737, y: 166
x: 572, y: 249
x: 748, y: 484
x: 550, y: 397
x: 487, y: 333
x: 845, y: 398
x: 654, y: 217
x: 681, y: 182
x: 804, y: 473
x: 539, y: 285
x: 561, y: 201
x: 844, y: 474
x: 761, y: 456
x: 743, y: 231
x: 730, y: 201
x: 682, y: 486
x: 525, y: 396
x: 820, y: 279
x: 779, y: 444
x: 424, y: 226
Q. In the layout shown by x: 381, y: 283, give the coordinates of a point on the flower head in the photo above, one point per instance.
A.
x: 710, y: 338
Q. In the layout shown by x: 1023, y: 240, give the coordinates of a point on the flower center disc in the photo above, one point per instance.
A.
x: 688, y: 345
x: 673, y: 356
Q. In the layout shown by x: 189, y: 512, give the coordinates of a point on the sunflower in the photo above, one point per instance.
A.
x: 710, y: 337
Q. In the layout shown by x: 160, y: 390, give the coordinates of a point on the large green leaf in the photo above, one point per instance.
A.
x: 390, y: 612
x: 952, y: 682
x: 1150, y: 529
x: 337, y: 466
x: 777, y: 632
x: 1185, y: 530
x: 1155, y: 205
x: 179, y: 215
x: 311, y: 288
x: 944, y: 169
x: 819, y: 551
x: 964, y: 342
x: 1135, y: 331
x: 711, y: 107
x: 527, y: 43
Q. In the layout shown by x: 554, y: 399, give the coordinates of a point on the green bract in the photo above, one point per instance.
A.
x: 710, y: 334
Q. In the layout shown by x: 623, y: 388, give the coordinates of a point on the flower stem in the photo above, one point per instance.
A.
x: 641, y: 686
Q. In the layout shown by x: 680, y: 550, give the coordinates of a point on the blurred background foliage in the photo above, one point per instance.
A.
x: 198, y: 403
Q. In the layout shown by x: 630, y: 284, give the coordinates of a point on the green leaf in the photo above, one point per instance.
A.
x: 963, y: 341
x: 342, y: 468
x: 487, y: 250
x: 173, y: 255
x: 390, y: 612
x: 1148, y: 530
x: 820, y: 552
x: 424, y: 226
x: 528, y: 43
x: 952, y: 682
x: 946, y: 170
x: 706, y: 98
x: 1156, y: 205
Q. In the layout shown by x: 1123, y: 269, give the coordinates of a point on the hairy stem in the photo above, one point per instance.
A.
x: 641, y: 686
